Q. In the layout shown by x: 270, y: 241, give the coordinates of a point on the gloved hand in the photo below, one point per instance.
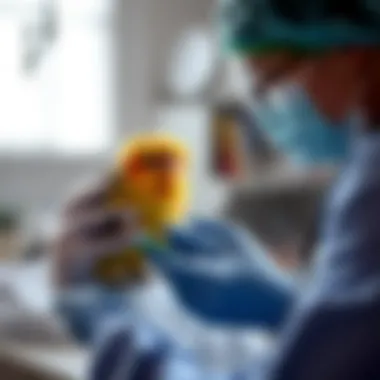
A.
x: 96, y: 244
x: 224, y: 276
x: 89, y: 234
x: 218, y: 271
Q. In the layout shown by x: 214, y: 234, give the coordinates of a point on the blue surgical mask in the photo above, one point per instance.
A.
x: 299, y: 130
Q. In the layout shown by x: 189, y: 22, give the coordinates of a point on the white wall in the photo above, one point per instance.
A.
x: 187, y: 121
x: 189, y: 124
x: 144, y: 32
x: 38, y: 183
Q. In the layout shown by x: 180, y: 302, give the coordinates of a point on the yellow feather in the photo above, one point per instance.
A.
x: 157, y: 214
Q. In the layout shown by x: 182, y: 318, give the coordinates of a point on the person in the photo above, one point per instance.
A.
x: 317, y: 83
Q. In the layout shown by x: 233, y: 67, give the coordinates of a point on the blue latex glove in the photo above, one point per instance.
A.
x: 223, y: 276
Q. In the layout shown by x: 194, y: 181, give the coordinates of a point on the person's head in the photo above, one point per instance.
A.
x: 329, y: 50
x: 154, y: 168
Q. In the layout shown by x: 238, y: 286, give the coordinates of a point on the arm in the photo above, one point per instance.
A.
x: 236, y: 284
x: 335, y: 331
x: 235, y: 299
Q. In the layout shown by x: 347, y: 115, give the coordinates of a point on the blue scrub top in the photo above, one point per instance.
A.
x: 333, y: 331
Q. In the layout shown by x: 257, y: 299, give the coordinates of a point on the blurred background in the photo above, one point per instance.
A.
x: 79, y: 77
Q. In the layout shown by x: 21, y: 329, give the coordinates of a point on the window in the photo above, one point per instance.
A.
x: 55, y: 82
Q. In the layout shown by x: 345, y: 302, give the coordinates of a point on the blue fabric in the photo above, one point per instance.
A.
x: 201, y: 254
x: 85, y: 309
x: 298, y: 129
x: 334, y: 329
x: 221, y: 275
x: 258, y: 293
x: 334, y: 333
x: 116, y: 348
x: 122, y: 354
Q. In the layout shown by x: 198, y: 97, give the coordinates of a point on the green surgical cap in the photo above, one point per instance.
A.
x: 260, y: 26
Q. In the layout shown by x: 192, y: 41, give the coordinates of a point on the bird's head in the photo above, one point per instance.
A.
x: 154, y: 169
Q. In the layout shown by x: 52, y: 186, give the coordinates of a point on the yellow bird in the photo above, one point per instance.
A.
x: 152, y: 180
